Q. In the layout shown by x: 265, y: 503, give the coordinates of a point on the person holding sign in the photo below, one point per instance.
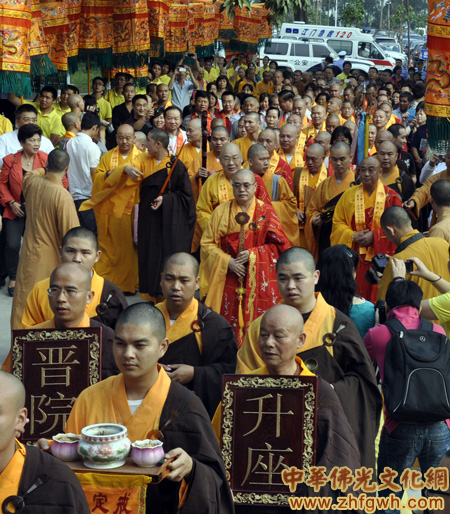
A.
x: 144, y: 398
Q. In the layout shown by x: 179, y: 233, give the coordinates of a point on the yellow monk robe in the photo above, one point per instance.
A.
x: 295, y: 161
x: 302, y: 371
x: 305, y: 179
x: 107, y: 400
x: 325, y: 191
x: 119, y: 262
x: 11, y: 475
x: 244, y: 144
x: 390, y: 179
x: 369, y: 212
x: 422, y: 194
x: 37, y: 309
x: 215, y: 191
x: 189, y: 153
x: 212, y: 165
x: 320, y: 322
x: 84, y: 323
x: 310, y: 132
x: 433, y: 251
x: 285, y: 205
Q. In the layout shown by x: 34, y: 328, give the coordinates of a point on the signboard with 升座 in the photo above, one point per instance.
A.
x: 268, y: 425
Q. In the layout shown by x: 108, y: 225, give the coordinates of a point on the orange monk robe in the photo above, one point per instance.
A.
x: 324, y: 193
x: 244, y: 144
x: 265, y: 240
x: 11, y: 475
x: 285, y: 204
x: 189, y: 153
x: 119, y: 262
x: 294, y: 161
x: 50, y: 214
x: 344, y: 226
x: 262, y: 87
x: 302, y: 201
x: 213, y: 166
x: 37, y: 309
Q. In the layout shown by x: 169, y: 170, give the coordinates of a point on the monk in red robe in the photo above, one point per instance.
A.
x: 238, y: 260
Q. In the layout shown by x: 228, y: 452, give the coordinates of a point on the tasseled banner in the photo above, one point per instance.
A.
x: 16, y: 82
x: 437, y: 97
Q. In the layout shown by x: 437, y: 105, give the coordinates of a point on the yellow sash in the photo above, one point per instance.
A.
x: 223, y: 188
x: 274, y: 160
x: 115, y: 156
x: 391, y: 178
x: 298, y: 159
x: 304, y: 182
x: 360, y: 214
x: 183, y: 324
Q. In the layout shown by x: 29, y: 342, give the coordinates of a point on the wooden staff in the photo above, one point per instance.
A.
x: 204, y: 141
x: 242, y: 218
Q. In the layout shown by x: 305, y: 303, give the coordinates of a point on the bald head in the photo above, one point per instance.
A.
x: 255, y: 150
x: 243, y: 176
x: 182, y: 259
x: 382, y: 136
x: 296, y: 255
x: 340, y: 145
x: 74, y: 101
x: 218, y: 122
x: 196, y: 123
x: 126, y: 130
x: 395, y: 217
x: 284, y: 316
x: 315, y: 149
x: 254, y: 116
x: 146, y: 315
x: 140, y: 138
x: 81, y: 276
x: 13, y: 389
x: 69, y: 120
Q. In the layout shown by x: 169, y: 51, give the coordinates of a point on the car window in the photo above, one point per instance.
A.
x: 320, y: 51
x: 338, y: 45
x: 369, y: 51
x: 300, y: 50
x: 275, y: 48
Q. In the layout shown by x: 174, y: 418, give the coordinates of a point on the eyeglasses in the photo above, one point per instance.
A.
x: 245, y: 185
x: 69, y: 293
x: 226, y: 160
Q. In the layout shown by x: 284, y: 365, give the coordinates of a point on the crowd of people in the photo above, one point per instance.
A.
x: 230, y: 196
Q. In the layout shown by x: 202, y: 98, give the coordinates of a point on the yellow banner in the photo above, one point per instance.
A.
x: 114, y: 493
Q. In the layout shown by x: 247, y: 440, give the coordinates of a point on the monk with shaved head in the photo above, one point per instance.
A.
x: 251, y: 123
x: 143, y: 398
x: 22, y: 467
x: 347, y: 368
x: 242, y: 237
x: 356, y: 221
x: 269, y: 139
x: 202, y: 346
x: 281, y: 337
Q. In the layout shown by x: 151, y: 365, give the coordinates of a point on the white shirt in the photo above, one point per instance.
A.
x: 84, y: 154
x: 428, y: 171
x: 9, y: 143
x: 173, y: 141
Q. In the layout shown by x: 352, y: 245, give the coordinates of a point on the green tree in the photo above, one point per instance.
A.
x: 352, y: 15
x: 279, y: 9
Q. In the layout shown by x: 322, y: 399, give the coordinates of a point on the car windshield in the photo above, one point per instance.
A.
x: 390, y: 47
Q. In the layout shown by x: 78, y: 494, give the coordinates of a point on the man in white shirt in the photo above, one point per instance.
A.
x: 84, y: 158
x: 9, y: 142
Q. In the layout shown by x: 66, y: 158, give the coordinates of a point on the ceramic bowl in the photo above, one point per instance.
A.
x: 65, y: 446
x: 147, y: 453
x: 104, y: 445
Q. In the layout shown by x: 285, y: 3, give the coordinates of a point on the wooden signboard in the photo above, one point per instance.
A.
x: 268, y: 424
x: 54, y: 366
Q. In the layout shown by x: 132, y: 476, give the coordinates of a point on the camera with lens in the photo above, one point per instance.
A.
x: 379, y: 263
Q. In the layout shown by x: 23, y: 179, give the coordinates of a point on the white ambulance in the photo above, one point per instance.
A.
x: 355, y: 43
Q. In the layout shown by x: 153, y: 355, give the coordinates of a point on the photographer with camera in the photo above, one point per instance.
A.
x: 180, y: 86
x: 432, y: 251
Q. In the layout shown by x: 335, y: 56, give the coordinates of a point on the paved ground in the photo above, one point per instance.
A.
x: 5, y: 314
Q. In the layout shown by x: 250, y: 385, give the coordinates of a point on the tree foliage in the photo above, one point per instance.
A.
x: 352, y: 15
x: 279, y: 9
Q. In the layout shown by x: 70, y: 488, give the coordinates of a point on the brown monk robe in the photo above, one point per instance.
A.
x: 202, y: 346
x: 345, y: 364
x: 143, y: 398
x: 69, y: 292
x: 280, y: 338
x: 50, y: 214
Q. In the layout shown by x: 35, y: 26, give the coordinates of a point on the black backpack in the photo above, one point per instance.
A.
x: 416, y: 385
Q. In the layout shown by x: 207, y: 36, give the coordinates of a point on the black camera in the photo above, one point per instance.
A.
x: 409, y: 266
x: 379, y: 263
